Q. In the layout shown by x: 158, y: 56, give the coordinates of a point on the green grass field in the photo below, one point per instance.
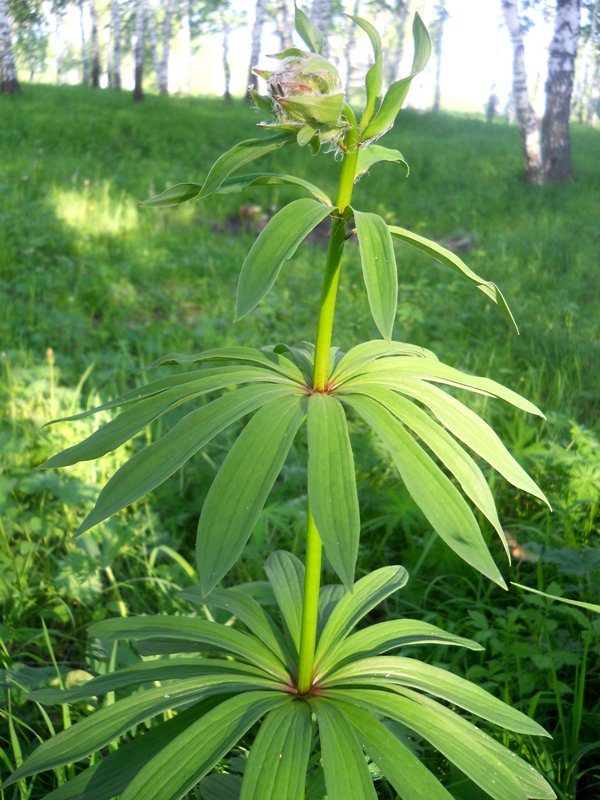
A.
x: 94, y: 288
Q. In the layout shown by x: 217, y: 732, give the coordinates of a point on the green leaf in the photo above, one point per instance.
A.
x: 197, y: 749
x: 198, y: 631
x: 220, y: 786
x: 355, y: 360
x: 309, y: 33
x: 174, y: 196
x: 468, y: 426
x: 379, y: 269
x: 318, y: 110
x: 108, y: 777
x: 262, y: 103
x: 249, y: 612
x: 396, y: 94
x: 366, y: 593
x: 329, y: 597
x: 240, y: 155
x: 347, y: 776
x: 373, y: 154
x: 498, y: 771
x: 374, y: 77
x: 157, y: 462
x: 579, y: 603
x: 390, y: 635
x: 451, y: 454
x: 276, y: 244
x: 332, y: 484
x: 242, y: 485
x: 145, y: 672
x: 450, y: 259
x: 400, y: 766
x: 140, y: 414
x: 106, y: 724
x: 273, y: 361
x: 437, y: 497
x: 278, y: 760
x: 286, y: 575
x: 416, y: 674
x: 237, y: 184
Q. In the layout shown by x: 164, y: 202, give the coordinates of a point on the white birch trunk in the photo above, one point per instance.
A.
x: 8, y: 70
x: 153, y: 37
x: 95, y: 45
x: 115, y: 32
x: 226, y: 67
x: 400, y: 13
x: 321, y: 16
x: 556, y: 141
x: 590, y: 59
x: 438, y: 36
x: 285, y: 22
x: 257, y: 29
x: 530, y: 133
x: 163, y: 67
x: 185, y: 49
x: 138, y: 48
x: 85, y: 63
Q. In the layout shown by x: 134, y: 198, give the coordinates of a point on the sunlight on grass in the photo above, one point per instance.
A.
x: 94, y: 209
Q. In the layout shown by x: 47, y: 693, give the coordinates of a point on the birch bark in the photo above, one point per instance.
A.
x: 138, y: 49
x: 257, y: 29
x: 556, y: 140
x: 9, y: 83
x: 115, y: 29
x: 530, y: 134
x: 85, y: 62
x: 163, y: 72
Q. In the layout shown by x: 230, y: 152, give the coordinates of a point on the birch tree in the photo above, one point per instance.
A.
x: 115, y: 39
x: 9, y: 83
x: 152, y: 37
x: 85, y: 62
x: 589, y: 61
x: 556, y: 140
x: 260, y: 11
x: 138, y: 48
x: 95, y: 45
x: 185, y: 48
x: 163, y: 67
x: 530, y: 133
x: 437, y: 35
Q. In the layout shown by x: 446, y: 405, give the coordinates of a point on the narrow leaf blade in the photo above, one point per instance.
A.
x: 379, y: 269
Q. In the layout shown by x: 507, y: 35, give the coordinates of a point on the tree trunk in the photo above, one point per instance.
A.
x: 257, y: 29
x: 152, y: 35
x: 284, y: 23
x: 556, y: 141
x: 530, y: 134
x: 8, y: 71
x: 85, y: 62
x: 95, y: 54
x: 115, y: 30
x: 351, y: 37
x: 321, y: 16
x: 400, y: 15
x: 163, y: 75
x: 591, y: 59
x: 438, y: 35
x: 138, y: 50
x: 226, y: 68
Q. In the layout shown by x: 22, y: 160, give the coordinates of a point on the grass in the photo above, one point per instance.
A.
x: 108, y: 287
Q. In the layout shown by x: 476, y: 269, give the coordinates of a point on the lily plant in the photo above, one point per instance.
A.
x: 324, y: 703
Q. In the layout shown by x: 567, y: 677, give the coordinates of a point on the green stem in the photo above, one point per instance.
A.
x: 314, y: 547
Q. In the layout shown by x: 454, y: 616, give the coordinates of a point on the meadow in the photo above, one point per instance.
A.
x: 94, y: 288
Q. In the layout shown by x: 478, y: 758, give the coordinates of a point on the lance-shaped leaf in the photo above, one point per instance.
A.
x: 273, y: 361
x: 354, y: 361
x: 332, y: 484
x: 240, y: 155
x: 109, y: 776
x: 242, y: 485
x: 347, y: 776
x: 318, y: 110
x: 278, y: 760
x: 379, y: 269
x: 140, y: 414
x: 498, y: 771
x: 373, y: 154
x: 199, y: 747
x: 157, y: 462
x: 308, y: 31
x: 437, y: 497
x: 220, y: 786
x: 196, y: 631
x: 286, y: 576
x: 579, y: 603
x: 329, y: 596
x: 106, y: 724
x: 396, y: 94
x: 249, y: 612
x: 374, y: 77
x: 471, y: 479
x: 174, y: 196
x: 438, y: 682
x: 276, y: 244
x: 390, y: 635
x: 468, y: 426
x: 273, y: 179
x: 400, y: 766
x: 450, y: 259
x: 366, y: 593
